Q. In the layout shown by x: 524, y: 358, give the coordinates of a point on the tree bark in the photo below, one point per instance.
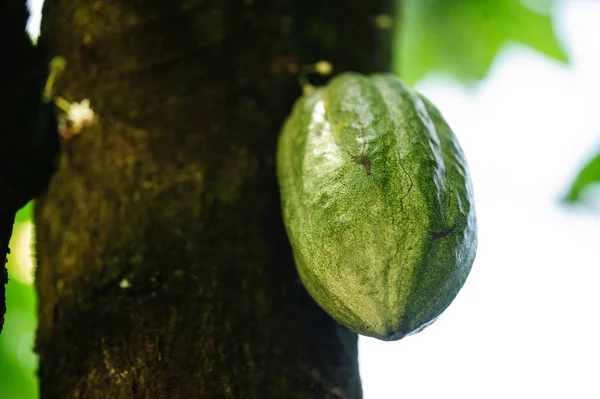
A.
x: 5, y: 233
x: 164, y: 270
x: 29, y: 143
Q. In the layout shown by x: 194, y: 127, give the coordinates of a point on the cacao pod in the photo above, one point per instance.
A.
x: 378, y: 204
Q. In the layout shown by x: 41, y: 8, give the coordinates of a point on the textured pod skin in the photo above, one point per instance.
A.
x: 378, y: 204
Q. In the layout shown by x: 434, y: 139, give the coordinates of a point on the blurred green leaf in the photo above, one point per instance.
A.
x: 18, y: 362
x: 24, y: 214
x: 589, y: 175
x: 461, y: 37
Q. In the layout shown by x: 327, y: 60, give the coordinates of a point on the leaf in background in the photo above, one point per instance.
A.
x: 18, y: 362
x: 589, y: 175
x: 25, y: 213
x: 461, y: 37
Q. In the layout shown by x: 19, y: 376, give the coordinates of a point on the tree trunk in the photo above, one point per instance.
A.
x: 29, y: 142
x: 164, y: 270
x: 5, y: 232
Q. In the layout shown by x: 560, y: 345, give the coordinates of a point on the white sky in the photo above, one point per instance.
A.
x: 525, y: 324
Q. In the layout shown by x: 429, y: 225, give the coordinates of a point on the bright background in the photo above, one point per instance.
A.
x: 525, y: 324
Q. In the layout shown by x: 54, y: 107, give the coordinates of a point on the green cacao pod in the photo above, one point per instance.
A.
x: 377, y: 203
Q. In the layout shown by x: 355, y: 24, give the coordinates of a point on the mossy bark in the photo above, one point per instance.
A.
x: 164, y: 269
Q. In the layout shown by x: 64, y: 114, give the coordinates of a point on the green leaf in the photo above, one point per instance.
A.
x: 24, y: 214
x: 462, y: 37
x: 589, y: 175
x: 18, y: 362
